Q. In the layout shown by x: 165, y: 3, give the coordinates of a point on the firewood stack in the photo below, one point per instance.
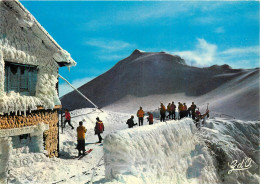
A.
x: 51, y: 135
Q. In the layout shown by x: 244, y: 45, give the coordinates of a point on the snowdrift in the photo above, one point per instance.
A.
x: 163, y: 153
x: 173, y: 152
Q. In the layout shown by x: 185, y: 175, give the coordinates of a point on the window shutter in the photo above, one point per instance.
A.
x: 14, y: 80
x: 20, y: 78
x: 32, y: 81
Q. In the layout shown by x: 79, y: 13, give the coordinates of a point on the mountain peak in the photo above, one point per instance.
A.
x: 137, y: 52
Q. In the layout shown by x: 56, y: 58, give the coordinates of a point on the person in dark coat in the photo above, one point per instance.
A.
x: 99, y: 128
x: 162, y: 112
x: 173, y: 107
x: 130, y: 122
x: 150, y: 118
x: 193, y: 108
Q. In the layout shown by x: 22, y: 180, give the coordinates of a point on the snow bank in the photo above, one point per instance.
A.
x: 233, y: 140
x: 162, y: 153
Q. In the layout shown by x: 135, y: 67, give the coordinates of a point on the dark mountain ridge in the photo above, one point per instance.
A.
x: 151, y: 73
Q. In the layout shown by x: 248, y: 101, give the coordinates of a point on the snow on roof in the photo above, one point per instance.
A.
x: 61, y: 56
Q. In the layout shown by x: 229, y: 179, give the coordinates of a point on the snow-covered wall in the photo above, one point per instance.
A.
x: 162, y: 153
x: 24, y: 41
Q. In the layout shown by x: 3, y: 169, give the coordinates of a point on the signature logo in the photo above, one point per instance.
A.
x: 236, y: 166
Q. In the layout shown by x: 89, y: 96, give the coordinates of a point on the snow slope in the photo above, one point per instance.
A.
x: 146, y: 79
x: 172, y: 152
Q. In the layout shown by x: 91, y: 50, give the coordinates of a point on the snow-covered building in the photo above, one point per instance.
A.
x: 29, y: 64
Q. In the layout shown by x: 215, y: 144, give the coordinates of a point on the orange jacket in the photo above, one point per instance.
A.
x: 180, y: 107
x: 81, y: 131
x: 184, y: 107
x: 140, y: 113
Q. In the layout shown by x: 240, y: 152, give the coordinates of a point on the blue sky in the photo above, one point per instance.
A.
x: 99, y: 34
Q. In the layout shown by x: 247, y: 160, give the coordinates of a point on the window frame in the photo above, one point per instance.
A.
x: 30, y: 79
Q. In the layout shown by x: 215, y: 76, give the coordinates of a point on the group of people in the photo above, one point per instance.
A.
x: 140, y: 114
x: 81, y: 132
x: 171, y: 111
x: 182, y: 108
x: 192, y: 112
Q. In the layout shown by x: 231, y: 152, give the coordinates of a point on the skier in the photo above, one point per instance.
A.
x: 81, y: 131
x: 130, y: 122
x: 99, y: 128
x: 150, y: 118
x: 140, y: 115
x: 193, y: 108
x: 169, y: 110
x: 162, y: 112
x: 68, y: 119
x: 173, y: 107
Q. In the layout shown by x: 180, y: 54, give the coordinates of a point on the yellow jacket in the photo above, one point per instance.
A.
x: 81, y: 131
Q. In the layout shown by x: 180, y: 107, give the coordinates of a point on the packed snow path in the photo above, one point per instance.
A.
x: 193, y: 151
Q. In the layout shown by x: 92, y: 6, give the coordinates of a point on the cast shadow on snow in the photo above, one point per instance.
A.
x: 102, y: 180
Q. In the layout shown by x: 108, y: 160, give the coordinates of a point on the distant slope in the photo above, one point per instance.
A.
x: 148, y: 78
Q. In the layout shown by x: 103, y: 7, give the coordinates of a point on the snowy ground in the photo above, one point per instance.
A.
x: 223, y: 141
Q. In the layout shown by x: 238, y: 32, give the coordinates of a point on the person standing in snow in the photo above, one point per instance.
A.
x: 130, y: 122
x: 68, y: 119
x: 81, y: 131
x: 185, y: 110
x: 140, y: 115
x: 180, y: 108
x: 150, y: 118
x: 99, y: 129
x: 193, y: 108
x: 173, y: 107
x: 162, y: 112
x: 169, y: 110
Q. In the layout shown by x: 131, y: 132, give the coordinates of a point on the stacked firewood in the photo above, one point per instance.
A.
x: 51, y: 135
x: 8, y: 122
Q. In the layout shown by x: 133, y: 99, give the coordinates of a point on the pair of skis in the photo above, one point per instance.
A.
x: 86, y: 153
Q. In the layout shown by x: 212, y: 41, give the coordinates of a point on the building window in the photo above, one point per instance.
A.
x: 20, y: 78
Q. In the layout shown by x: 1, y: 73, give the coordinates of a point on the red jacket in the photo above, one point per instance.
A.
x: 99, y: 128
x: 173, y: 107
x: 150, y: 118
x: 67, y: 115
